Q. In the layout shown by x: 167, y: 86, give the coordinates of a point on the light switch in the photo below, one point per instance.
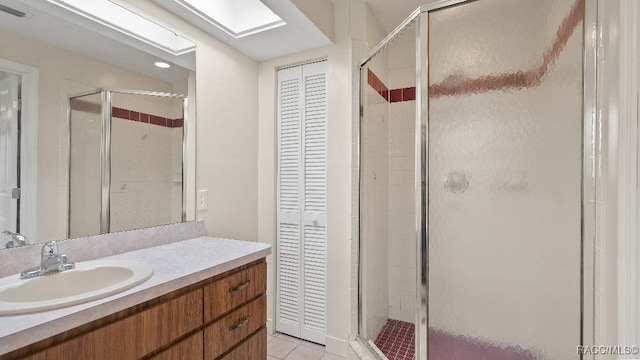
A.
x: 203, y: 200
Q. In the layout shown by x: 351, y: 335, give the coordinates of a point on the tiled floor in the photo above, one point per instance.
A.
x: 396, y: 340
x: 281, y: 346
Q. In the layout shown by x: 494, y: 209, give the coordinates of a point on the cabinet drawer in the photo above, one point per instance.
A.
x: 189, y: 348
x: 134, y: 336
x: 234, y: 290
x: 254, y: 348
x: 233, y: 328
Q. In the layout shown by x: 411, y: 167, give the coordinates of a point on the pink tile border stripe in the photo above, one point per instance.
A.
x: 452, y: 86
x: 126, y: 114
x: 391, y: 95
x: 374, y: 81
x: 519, y: 79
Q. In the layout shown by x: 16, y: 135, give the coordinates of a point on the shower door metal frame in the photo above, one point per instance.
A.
x: 105, y: 149
x: 591, y: 141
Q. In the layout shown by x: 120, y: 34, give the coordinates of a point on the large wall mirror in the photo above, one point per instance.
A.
x: 51, y: 54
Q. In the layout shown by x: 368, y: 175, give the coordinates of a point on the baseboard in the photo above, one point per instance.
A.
x: 333, y: 345
x: 359, y: 351
x: 337, y: 346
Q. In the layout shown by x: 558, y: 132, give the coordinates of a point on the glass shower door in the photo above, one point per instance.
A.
x: 85, y: 167
x: 387, y: 217
x: 505, y: 179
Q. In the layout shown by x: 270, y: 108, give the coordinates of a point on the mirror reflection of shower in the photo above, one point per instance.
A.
x: 126, y: 160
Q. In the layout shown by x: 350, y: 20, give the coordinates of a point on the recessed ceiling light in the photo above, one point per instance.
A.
x: 162, y: 65
x: 237, y: 18
x: 129, y: 23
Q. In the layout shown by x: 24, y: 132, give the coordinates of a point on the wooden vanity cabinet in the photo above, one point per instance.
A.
x: 189, y: 348
x: 220, y: 318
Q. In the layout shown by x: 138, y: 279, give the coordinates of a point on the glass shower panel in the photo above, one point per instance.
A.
x: 146, y: 161
x: 85, y: 126
x: 387, y: 230
x: 505, y: 175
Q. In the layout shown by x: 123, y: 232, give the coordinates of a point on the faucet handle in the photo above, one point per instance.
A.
x: 17, y: 239
x: 49, y: 248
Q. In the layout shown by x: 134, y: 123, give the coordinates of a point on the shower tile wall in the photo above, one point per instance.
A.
x: 146, y: 188
x: 388, y: 194
x: 401, y: 238
x: 375, y: 189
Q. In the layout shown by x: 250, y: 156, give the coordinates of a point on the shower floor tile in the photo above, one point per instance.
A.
x: 396, y: 340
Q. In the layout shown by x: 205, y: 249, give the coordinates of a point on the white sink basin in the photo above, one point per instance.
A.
x: 88, y: 281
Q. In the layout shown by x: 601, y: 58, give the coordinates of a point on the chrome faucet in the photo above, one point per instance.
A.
x: 50, y: 262
x: 16, y: 239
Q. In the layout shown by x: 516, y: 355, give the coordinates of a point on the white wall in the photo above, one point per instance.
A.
x: 616, y: 255
x: 226, y: 150
x: 615, y: 136
x: 320, y: 12
x: 342, y: 105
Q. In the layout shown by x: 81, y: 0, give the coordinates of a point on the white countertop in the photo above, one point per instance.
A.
x: 175, y: 265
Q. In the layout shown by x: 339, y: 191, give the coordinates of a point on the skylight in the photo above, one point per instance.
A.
x: 237, y: 18
x: 127, y: 22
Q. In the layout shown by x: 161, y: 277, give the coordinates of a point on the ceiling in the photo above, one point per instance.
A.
x: 51, y: 24
x: 298, y: 35
x: 391, y: 13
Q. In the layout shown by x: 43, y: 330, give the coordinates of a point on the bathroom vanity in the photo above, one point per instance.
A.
x: 205, y: 300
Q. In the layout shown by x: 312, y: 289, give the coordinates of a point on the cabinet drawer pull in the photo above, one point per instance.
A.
x: 240, y: 324
x: 240, y: 287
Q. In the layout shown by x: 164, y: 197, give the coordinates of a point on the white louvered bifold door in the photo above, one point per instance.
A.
x: 301, y: 229
x: 289, y: 182
x: 314, y: 201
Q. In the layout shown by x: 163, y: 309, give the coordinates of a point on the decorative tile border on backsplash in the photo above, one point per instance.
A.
x: 145, y: 118
x: 393, y: 95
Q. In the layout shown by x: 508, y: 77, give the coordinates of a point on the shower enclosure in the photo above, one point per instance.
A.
x: 126, y: 160
x: 477, y: 198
